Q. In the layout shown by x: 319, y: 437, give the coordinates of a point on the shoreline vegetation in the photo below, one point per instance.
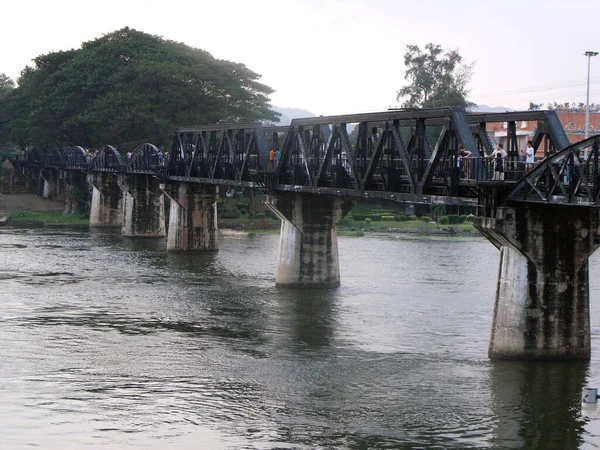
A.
x: 234, y: 215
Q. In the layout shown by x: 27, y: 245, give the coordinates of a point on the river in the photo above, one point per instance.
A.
x: 111, y: 342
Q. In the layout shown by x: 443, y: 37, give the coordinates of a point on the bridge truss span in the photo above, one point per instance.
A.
x: 570, y: 177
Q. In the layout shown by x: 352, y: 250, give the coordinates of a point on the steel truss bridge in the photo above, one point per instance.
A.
x: 401, y: 155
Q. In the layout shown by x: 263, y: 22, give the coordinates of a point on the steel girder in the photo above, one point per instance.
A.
x: 400, y: 154
x: 218, y: 152
x: 566, y: 177
x: 107, y: 159
x: 144, y: 159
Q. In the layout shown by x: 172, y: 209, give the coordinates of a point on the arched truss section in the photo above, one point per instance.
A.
x: 55, y: 159
x: 144, y: 158
x: 107, y: 159
x: 34, y: 158
x: 227, y: 152
x: 76, y: 158
x: 571, y: 176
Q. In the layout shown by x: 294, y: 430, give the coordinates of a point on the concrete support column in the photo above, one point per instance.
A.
x: 75, y: 192
x: 50, y: 180
x: 192, y: 217
x: 542, y: 297
x: 106, y: 209
x: 308, y: 250
x: 144, y: 206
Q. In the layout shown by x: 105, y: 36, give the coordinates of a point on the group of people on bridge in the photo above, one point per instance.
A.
x: 498, y: 166
x: 274, y: 157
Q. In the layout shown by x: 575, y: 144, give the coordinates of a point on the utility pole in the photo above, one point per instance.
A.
x: 589, y: 54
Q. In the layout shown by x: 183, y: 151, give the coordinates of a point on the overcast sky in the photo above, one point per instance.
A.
x: 346, y: 56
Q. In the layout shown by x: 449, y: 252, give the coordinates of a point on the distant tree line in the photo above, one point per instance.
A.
x: 125, y: 88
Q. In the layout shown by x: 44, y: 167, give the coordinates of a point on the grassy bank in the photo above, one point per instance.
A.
x: 51, y: 217
x: 235, y: 213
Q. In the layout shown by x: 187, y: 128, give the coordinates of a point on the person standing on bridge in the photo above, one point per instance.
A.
x: 272, y: 159
x: 529, y: 156
x: 277, y: 158
x: 463, y: 153
x: 498, y: 156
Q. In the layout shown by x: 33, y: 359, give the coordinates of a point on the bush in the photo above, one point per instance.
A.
x: 232, y: 213
x: 388, y: 217
x: 401, y: 217
x: 413, y: 217
x: 242, y: 208
x: 375, y: 217
x: 454, y: 219
x: 426, y: 219
x: 359, y: 217
x: 346, y: 222
x: 443, y: 220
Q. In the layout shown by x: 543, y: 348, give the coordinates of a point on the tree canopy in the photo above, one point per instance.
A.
x: 437, y: 78
x: 127, y: 87
x: 6, y: 88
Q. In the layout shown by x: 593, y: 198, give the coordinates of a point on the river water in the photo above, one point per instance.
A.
x: 111, y: 342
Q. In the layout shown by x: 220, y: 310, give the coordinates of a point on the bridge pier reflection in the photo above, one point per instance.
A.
x: 192, y: 216
x: 308, y: 249
x: 537, y: 405
x: 542, y: 296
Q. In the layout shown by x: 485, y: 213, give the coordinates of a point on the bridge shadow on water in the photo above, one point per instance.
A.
x: 537, y: 405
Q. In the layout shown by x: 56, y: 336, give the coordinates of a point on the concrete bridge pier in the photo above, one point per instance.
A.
x: 143, y: 207
x: 106, y: 209
x: 51, y: 183
x: 308, y: 250
x: 192, y: 217
x: 542, y: 297
x: 75, y: 191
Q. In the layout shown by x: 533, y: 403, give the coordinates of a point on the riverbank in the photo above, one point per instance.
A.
x: 28, y: 208
x: 15, y: 203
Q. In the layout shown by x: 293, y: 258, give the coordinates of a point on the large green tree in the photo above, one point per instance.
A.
x: 7, y: 86
x: 129, y: 86
x: 436, y: 78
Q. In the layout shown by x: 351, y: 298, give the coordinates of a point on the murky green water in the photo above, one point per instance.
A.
x: 115, y: 343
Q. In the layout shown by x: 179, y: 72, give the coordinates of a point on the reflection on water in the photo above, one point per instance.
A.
x: 116, y: 342
x: 308, y: 316
x: 538, y: 405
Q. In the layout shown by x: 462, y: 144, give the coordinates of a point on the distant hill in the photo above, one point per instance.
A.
x: 287, y: 114
x: 489, y: 109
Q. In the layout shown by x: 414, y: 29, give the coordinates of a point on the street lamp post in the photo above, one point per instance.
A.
x: 589, y: 54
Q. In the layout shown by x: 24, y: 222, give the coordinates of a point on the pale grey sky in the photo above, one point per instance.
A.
x: 341, y: 57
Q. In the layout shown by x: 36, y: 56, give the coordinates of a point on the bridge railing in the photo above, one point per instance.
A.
x: 484, y: 169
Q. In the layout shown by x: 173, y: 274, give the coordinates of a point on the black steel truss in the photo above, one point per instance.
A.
x: 571, y: 176
x: 401, y: 154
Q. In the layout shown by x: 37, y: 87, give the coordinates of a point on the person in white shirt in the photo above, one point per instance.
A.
x: 498, y: 155
x: 529, y: 155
